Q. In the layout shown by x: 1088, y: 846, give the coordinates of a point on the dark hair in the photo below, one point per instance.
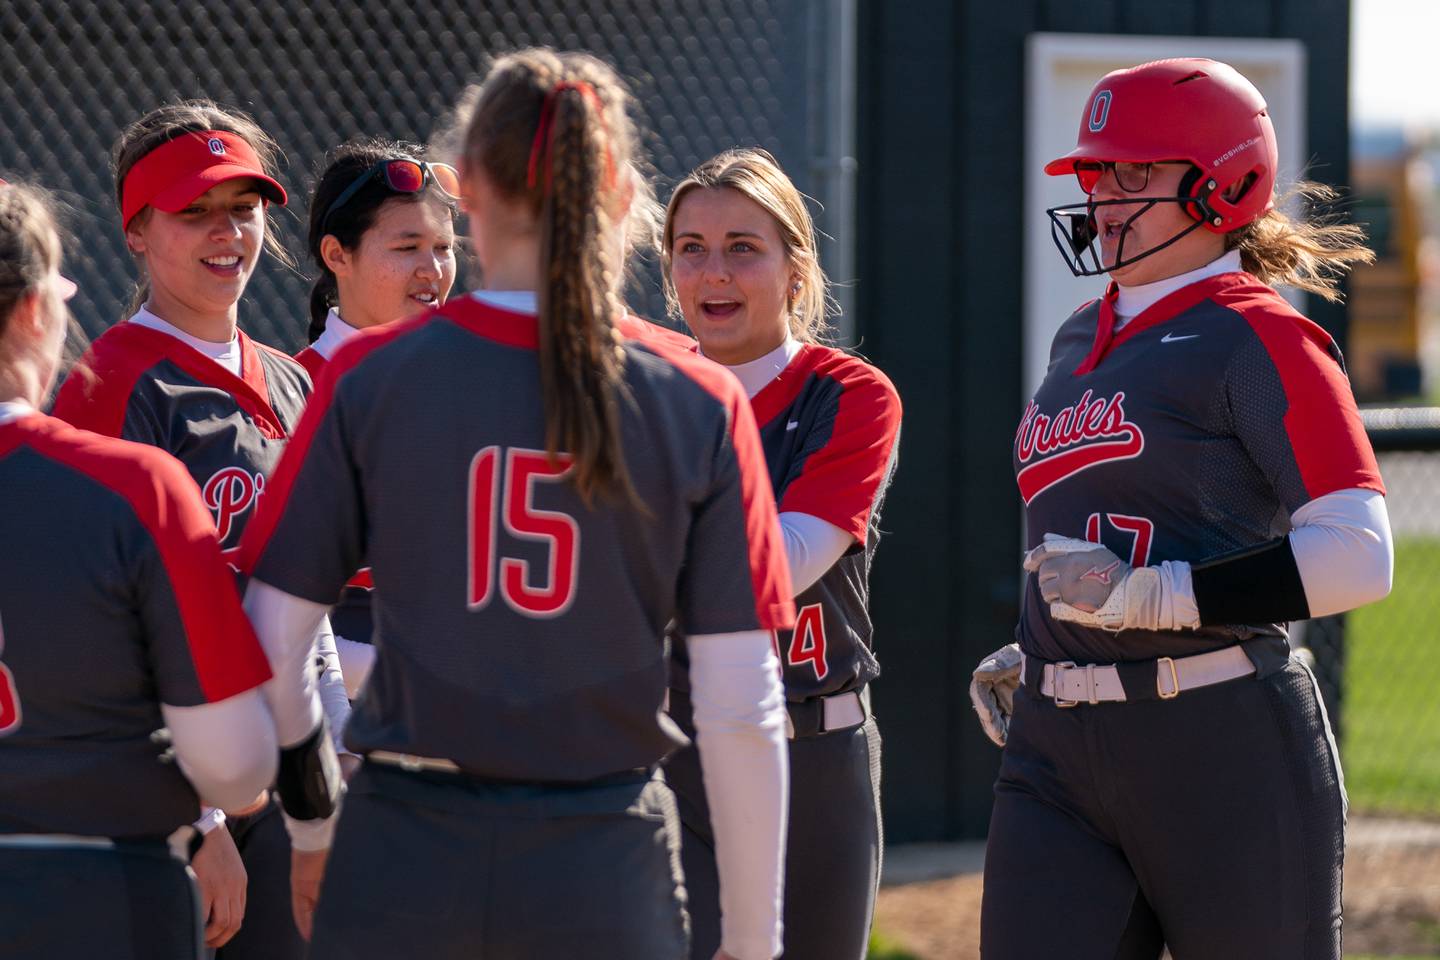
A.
x: 29, y: 244
x: 574, y: 193
x: 166, y: 123
x: 349, y: 223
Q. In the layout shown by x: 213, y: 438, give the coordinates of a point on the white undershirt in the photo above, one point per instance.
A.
x: 14, y: 410
x: 1136, y: 299
x: 337, y: 331
x: 516, y: 301
x: 754, y: 375
x: 225, y: 354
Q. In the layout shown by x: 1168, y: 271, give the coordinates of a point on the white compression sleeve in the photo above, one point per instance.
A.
x: 286, y: 626
x: 356, y: 659
x: 227, y: 750
x: 1343, y: 550
x: 812, y: 546
x: 334, y: 697
x: 740, y: 731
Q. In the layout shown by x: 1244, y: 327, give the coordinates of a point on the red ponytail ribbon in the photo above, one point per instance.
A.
x: 541, y: 146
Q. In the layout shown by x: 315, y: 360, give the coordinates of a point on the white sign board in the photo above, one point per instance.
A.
x: 1061, y: 70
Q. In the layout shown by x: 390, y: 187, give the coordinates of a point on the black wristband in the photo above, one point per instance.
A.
x: 1255, y: 585
x: 309, y: 779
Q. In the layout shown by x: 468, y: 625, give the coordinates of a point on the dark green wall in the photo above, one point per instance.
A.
x: 939, y: 309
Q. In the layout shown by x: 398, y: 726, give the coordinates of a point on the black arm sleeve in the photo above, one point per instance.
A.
x: 309, y: 779
x: 1258, y: 584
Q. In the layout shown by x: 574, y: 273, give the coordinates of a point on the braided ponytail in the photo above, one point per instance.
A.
x: 551, y: 128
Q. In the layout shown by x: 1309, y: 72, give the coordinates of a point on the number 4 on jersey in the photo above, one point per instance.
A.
x: 514, y: 493
x: 9, y: 699
x: 807, y: 642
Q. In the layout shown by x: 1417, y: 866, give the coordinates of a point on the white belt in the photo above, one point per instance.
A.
x: 1068, y: 684
x: 411, y: 763
x: 842, y: 710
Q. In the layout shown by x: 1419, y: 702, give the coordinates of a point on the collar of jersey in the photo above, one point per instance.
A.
x: 1166, y: 308
x: 777, y: 395
x: 250, y: 389
x: 508, y: 327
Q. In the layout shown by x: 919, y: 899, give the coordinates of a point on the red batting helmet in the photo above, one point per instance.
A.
x: 1200, y: 111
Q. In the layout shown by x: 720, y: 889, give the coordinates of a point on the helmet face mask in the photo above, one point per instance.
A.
x: 1075, y: 232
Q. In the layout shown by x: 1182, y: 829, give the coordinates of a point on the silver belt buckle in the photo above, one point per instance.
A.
x: 1055, y: 672
x: 1160, y: 667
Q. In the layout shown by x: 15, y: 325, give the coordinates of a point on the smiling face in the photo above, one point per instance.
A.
x: 732, y: 274
x: 1151, y: 229
x: 200, y: 258
x: 403, y: 263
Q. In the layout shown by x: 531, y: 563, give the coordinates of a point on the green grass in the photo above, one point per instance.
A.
x: 883, y: 948
x: 1391, y: 700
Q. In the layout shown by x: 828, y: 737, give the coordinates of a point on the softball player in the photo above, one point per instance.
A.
x: 1194, y: 475
x: 536, y: 507
x: 740, y: 264
x: 382, y: 235
x: 117, y: 617
x: 193, y: 186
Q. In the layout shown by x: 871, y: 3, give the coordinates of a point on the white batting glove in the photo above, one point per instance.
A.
x: 1085, y: 583
x: 992, y: 691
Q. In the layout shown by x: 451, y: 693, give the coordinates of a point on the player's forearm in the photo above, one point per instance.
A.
x: 356, y: 659
x: 740, y: 731
x: 812, y: 546
x: 309, y: 775
x: 1338, y: 557
x: 227, y: 750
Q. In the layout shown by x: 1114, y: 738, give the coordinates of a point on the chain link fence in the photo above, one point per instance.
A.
x: 315, y: 73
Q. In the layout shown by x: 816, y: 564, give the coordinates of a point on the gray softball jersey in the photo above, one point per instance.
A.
x: 113, y: 600
x: 519, y: 632
x: 144, y: 385
x: 1198, y: 429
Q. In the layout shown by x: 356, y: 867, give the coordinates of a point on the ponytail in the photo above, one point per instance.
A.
x: 1311, y: 253
x: 322, y: 298
x: 552, y: 129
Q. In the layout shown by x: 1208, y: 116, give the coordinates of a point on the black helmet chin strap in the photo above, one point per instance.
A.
x: 1074, y: 229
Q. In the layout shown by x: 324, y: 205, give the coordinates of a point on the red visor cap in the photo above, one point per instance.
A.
x: 176, y: 172
x: 1193, y: 109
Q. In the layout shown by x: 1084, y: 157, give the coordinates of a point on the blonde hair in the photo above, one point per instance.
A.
x: 29, y: 245
x: 1311, y: 253
x: 173, y: 120
x: 572, y: 184
x: 755, y: 174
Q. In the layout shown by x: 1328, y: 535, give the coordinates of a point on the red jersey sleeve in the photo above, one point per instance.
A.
x: 841, y: 477
x: 1319, y: 435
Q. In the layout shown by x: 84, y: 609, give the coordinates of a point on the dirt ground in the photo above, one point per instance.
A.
x: 1392, y: 907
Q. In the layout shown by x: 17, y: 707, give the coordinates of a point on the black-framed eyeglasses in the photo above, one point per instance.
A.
x: 402, y: 175
x: 1130, y: 177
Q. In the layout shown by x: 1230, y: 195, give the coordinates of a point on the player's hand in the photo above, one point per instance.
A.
x: 253, y: 807
x: 1087, y: 584
x: 992, y: 691
x: 220, y: 874
x: 307, y: 870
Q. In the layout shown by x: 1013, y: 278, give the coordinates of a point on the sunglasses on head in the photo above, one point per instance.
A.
x: 1130, y: 177
x: 402, y: 175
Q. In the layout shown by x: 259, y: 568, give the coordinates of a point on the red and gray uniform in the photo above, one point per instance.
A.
x: 113, y: 600
x: 140, y: 384
x: 1197, y: 430
x: 830, y: 427
x: 145, y: 385
x: 521, y: 635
